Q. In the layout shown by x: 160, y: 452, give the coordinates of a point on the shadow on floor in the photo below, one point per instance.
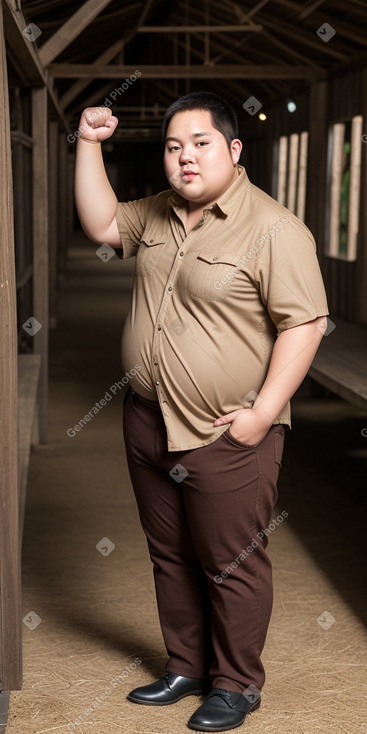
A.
x: 323, y: 487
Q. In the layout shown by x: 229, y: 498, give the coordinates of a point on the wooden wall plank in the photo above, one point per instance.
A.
x: 53, y: 171
x: 40, y: 244
x: 361, y: 247
x: 10, y: 601
x: 316, y: 175
x: 63, y: 204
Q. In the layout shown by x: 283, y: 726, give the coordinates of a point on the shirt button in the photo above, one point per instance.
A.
x: 181, y: 254
x: 151, y: 240
x: 159, y: 328
x: 155, y: 364
x: 169, y: 288
x: 157, y: 382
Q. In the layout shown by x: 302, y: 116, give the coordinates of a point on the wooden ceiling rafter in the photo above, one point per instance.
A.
x: 295, y: 54
x: 71, y: 29
x: 197, y: 71
x: 25, y: 58
x: 76, y: 88
x: 342, y: 28
x: 200, y: 29
x: 263, y: 84
x: 286, y: 48
x: 106, y: 57
x: 287, y: 29
x: 230, y: 84
x: 310, y: 8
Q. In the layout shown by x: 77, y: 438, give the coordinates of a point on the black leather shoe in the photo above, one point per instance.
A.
x: 169, y: 689
x: 223, y: 710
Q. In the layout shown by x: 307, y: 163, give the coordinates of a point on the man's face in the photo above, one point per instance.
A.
x: 197, y: 160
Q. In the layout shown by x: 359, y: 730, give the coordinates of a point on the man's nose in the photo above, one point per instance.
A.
x: 187, y: 155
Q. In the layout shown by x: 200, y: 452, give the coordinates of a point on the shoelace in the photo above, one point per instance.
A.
x: 221, y: 692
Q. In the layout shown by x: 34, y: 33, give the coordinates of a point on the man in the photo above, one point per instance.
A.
x: 227, y: 312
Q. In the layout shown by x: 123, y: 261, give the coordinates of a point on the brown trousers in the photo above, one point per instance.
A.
x: 204, y: 512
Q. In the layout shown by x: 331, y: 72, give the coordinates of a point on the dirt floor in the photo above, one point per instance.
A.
x: 91, y: 630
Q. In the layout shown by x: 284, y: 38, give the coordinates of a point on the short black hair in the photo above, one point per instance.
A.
x: 222, y: 114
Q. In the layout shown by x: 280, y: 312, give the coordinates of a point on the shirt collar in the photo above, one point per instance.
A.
x: 225, y: 202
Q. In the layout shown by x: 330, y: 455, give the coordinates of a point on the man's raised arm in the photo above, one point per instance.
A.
x: 95, y: 199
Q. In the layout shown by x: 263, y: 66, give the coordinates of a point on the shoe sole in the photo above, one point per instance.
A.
x: 165, y: 703
x: 255, y: 707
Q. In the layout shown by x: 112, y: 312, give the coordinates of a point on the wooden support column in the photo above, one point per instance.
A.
x: 316, y: 174
x: 40, y: 244
x: 10, y: 601
x: 362, y: 250
x: 63, y: 204
x: 53, y: 170
x: 70, y: 199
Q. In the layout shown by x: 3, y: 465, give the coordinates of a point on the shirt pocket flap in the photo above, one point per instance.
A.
x: 212, y: 273
x: 150, y: 249
x: 218, y: 257
x: 154, y: 238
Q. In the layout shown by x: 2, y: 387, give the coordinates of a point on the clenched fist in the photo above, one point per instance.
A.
x: 97, y: 124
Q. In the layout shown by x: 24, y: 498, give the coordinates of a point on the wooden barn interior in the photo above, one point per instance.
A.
x: 72, y: 620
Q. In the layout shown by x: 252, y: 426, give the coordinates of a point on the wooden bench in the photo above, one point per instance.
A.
x: 29, y: 366
x: 341, y: 362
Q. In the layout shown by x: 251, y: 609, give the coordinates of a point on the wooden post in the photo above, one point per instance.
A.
x: 70, y: 206
x: 10, y: 602
x: 316, y: 175
x: 40, y: 244
x: 53, y: 172
x: 362, y: 255
x: 63, y: 199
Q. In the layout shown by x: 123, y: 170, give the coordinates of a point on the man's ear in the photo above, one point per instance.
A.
x: 236, y: 147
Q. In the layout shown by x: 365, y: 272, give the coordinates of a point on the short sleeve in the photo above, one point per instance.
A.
x: 131, y: 217
x: 289, y: 276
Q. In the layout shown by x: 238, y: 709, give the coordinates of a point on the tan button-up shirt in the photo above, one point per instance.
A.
x: 207, y: 306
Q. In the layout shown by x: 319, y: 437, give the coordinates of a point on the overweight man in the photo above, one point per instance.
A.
x: 227, y: 312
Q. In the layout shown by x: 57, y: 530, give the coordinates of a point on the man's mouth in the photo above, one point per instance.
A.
x: 188, y: 175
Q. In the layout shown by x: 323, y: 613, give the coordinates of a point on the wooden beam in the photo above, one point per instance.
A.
x: 362, y: 254
x: 21, y: 50
x: 310, y: 8
x: 291, y: 52
x: 78, y: 87
x: 94, y: 99
x: 342, y: 27
x: 303, y: 37
x: 40, y: 244
x: 317, y: 190
x: 10, y: 576
x: 63, y: 183
x: 105, y: 58
x: 198, y: 71
x: 71, y: 29
x: 54, y: 216
x: 199, y: 28
x: 25, y: 58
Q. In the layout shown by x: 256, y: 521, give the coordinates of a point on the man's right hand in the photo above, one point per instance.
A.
x: 97, y: 124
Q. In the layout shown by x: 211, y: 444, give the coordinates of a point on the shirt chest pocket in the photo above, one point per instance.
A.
x: 212, y: 274
x: 150, y: 248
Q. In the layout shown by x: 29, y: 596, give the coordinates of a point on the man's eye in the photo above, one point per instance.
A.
x: 173, y: 147
x: 201, y: 142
